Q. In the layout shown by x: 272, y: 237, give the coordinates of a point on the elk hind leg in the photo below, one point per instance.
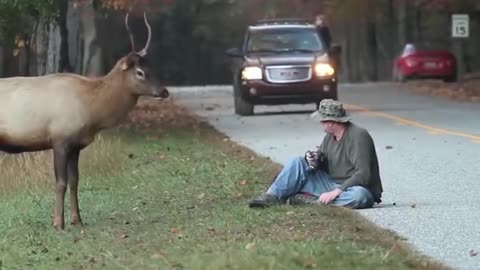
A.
x: 72, y: 170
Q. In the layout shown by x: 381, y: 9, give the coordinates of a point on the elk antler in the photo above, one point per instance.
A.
x: 132, y: 42
x: 143, y: 52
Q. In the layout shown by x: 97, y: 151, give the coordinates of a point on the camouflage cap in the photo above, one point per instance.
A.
x: 331, y: 110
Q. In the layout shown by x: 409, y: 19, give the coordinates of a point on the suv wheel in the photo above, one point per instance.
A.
x: 242, y: 107
x: 334, y: 96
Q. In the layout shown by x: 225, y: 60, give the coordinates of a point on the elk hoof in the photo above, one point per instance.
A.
x: 76, y: 221
x: 59, y: 226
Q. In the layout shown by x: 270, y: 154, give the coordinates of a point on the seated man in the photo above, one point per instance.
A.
x: 352, y: 178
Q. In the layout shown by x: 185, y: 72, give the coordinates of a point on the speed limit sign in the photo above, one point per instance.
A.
x: 460, y: 25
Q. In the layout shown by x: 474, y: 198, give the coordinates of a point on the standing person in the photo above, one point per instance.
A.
x: 323, y: 30
x: 351, y: 179
x: 408, y: 49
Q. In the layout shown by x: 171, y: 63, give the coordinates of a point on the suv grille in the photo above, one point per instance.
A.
x: 286, y: 74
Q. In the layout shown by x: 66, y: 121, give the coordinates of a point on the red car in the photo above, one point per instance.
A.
x: 424, y: 64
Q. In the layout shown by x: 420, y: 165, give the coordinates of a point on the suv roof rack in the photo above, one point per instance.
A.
x: 281, y: 22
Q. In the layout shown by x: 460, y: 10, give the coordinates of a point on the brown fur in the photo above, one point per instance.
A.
x: 64, y: 112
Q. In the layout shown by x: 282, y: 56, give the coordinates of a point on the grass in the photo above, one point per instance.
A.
x: 174, y: 197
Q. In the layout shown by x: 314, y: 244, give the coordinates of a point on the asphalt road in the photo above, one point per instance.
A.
x: 427, y: 147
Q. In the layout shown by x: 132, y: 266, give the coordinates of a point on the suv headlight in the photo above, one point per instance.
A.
x: 252, y: 73
x: 324, y: 70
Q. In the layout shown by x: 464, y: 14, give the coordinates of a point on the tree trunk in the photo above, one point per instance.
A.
x: 54, y: 41
x: 402, y: 22
x: 41, y: 46
x: 23, y: 56
x: 371, y: 47
x: 64, y: 63
x: 92, y: 56
x: 2, y: 61
x: 75, y: 41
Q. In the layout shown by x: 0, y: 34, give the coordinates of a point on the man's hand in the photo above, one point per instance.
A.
x: 328, y: 197
x: 311, y: 157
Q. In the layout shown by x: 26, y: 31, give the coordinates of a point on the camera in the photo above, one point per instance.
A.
x: 319, y: 161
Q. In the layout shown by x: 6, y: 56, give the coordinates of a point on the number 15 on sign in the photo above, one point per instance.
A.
x: 460, y: 25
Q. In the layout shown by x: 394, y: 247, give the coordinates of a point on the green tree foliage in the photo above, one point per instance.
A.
x: 15, y: 15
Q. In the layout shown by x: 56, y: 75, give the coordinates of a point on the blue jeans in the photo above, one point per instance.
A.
x: 294, y: 178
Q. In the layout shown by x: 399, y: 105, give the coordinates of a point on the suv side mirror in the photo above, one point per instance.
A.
x: 234, y: 52
x: 335, y: 49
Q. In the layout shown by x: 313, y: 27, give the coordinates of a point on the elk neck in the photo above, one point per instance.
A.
x: 112, y: 100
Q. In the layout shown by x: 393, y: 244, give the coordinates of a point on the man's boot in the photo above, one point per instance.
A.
x: 264, y: 200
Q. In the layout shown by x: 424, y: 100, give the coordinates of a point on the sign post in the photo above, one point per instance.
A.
x: 460, y: 32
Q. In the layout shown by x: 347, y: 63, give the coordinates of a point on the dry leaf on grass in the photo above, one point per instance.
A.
x: 244, y: 182
x: 250, y: 246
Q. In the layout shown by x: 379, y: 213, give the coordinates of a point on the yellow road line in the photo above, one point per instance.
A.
x: 403, y: 121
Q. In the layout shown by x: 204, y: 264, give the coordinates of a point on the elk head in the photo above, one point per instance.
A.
x: 137, y: 73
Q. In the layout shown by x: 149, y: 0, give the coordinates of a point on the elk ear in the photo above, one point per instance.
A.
x: 124, y: 65
x: 130, y: 61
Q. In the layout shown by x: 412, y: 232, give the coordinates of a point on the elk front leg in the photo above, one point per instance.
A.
x: 72, y: 168
x: 60, y: 167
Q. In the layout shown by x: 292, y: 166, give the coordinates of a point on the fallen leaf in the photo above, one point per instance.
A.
x: 244, y: 182
x: 157, y: 255
x: 250, y: 246
x: 175, y: 231
x: 309, y: 264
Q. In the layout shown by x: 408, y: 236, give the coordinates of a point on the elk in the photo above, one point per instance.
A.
x: 63, y: 112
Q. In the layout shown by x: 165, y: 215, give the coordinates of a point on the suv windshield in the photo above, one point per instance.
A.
x: 284, y: 40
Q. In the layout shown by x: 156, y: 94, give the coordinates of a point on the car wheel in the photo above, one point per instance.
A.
x: 242, y: 106
x: 451, y: 78
x: 333, y: 95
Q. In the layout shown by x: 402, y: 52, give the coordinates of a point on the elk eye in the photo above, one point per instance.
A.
x: 140, y: 74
